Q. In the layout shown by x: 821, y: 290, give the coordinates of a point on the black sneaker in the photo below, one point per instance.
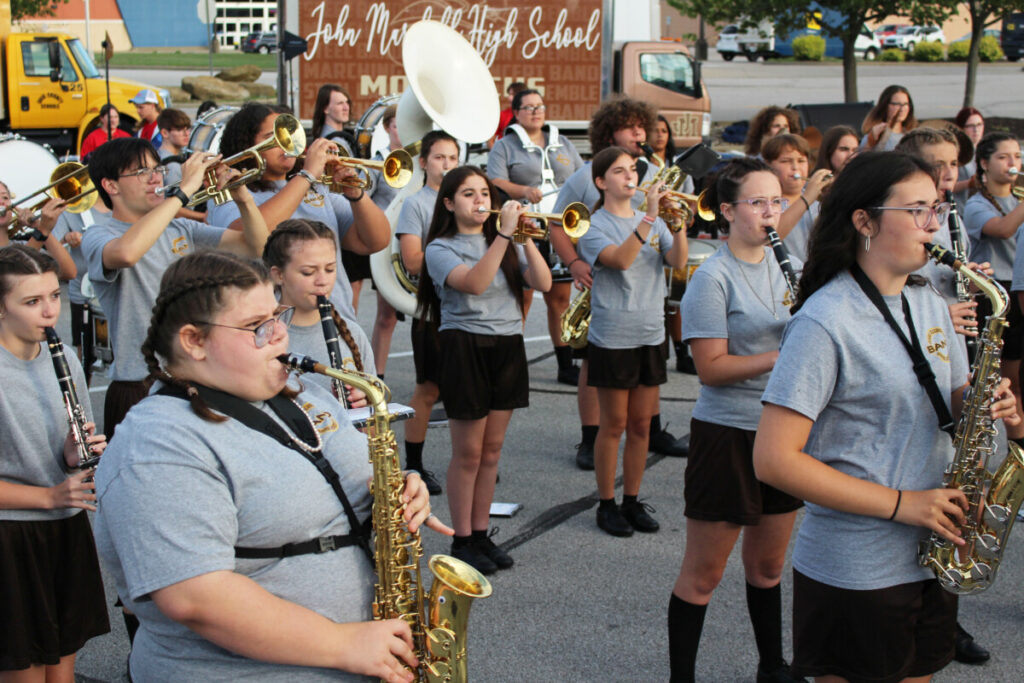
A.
x: 663, y: 443
x: 610, y: 519
x: 433, y: 485
x: 967, y: 650
x: 780, y: 675
x: 585, y: 456
x: 499, y: 557
x: 472, y: 556
x: 638, y: 515
x: 569, y: 375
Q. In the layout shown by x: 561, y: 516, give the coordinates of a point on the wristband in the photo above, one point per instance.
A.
x: 180, y: 195
x: 361, y: 193
x: 636, y: 234
x: 569, y: 265
x: 899, y: 498
x: 38, y: 236
x: 804, y: 200
x: 501, y: 234
x: 310, y: 178
x: 647, y: 219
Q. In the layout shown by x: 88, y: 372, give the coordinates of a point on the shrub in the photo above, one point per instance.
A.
x: 958, y: 50
x: 989, y: 49
x: 809, y: 48
x: 893, y: 54
x: 928, y: 52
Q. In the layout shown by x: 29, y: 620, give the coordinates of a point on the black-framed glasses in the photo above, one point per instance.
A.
x: 145, y: 174
x: 922, y: 214
x: 762, y: 204
x: 531, y: 108
x: 264, y: 331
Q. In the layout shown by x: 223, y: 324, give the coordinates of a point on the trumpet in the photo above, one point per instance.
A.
x: 69, y: 182
x: 575, y: 221
x: 288, y: 135
x: 677, y: 213
x: 396, y: 169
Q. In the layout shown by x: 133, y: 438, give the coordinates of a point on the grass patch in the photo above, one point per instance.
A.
x: 188, y: 60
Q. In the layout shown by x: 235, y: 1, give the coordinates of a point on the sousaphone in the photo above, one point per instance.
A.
x: 450, y: 88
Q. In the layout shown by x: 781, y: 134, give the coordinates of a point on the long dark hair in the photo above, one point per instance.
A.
x: 881, y: 108
x: 829, y: 142
x: 762, y: 122
x: 866, y: 181
x: 17, y: 259
x: 443, y: 225
x: 670, y: 147
x: 277, y: 252
x: 240, y: 133
x: 323, y: 98
x: 986, y: 148
x: 724, y: 186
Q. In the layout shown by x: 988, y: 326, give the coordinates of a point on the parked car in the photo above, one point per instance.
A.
x: 1012, y: 38
x: 866, y: 46
x: 758, y: 41
x: 260, y: 41
x: 887, y: 30
x: 907, y: 37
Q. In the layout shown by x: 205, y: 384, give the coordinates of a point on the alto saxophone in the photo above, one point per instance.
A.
x: 438, y: 622
x: 575, y: 321
x: 993, y: 499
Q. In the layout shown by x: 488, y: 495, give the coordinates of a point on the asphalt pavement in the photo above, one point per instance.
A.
x: 580, y: 605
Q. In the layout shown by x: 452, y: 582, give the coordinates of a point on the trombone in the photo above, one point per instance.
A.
x: 396, y: 169
x: 288, y: 135
x: 575, y: 221
x: 69, y: 182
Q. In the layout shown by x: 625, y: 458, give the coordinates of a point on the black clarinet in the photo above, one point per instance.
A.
x: 961, y: 282
x: 782, y: 256
x: 76, y: 411
x: 333, y: 346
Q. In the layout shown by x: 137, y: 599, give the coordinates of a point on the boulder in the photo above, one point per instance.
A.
x: 240, y: 74
x: 179, y: 95
x: 260, y: 91
x: 211, y: 88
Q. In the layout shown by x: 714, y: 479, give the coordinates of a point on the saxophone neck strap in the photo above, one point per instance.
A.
x: 922, y: 368
x: 296, y: 420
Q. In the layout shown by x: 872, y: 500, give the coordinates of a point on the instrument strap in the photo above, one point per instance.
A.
x: 922, y: 368
x: 293, y: 416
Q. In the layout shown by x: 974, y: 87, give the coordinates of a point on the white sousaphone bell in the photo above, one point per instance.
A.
x: 450, y: 88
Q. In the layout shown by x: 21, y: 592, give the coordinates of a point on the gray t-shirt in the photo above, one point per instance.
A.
x: 842, y: 366
x: 331, y: 209
x: 887, y: 146
x: 177, y: 494
x: 942, y: 278
x: 627, y: 306
x: 127, y: 295
x: 1018, y: 265
x: 32, y: 446
x: 309, y: 341
x: 416, y: 214
x: 999, y: 252
x: 75, y: 222
x: 493, y: 312
x: 796, y: 240
x: 580, y: 188
x: 748, y: 305
x: 964, y: 172
x: 509, y: 160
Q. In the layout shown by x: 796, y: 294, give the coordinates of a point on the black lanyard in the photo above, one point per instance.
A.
x: 922, y: 368
x: 293, y: 416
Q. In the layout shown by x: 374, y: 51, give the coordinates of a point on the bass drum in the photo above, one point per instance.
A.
x: 208, y: 129
x: 676, y: 278
x: 25, y: 166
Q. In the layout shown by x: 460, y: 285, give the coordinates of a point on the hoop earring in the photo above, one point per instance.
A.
x: 867, y: 243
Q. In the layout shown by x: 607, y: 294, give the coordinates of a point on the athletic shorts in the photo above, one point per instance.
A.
x: 426, y: 353
x: 481, y: 373
x: 627, y: 368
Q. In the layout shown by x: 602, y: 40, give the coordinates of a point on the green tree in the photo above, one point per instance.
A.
x: 982, y: 13
x: 844, y: 22
x: 34, y: 8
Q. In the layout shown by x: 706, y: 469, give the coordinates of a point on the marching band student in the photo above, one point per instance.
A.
x: 302, y: 257
x: 439, y: 153
x: 41, y: 236
x: 330, y: 114
x: 627, y: 348
x: 148, y: 107
x: 993, y: 218
x: 359, y: 225
x: 788, y: 156
x: 129, y: 250
x: 768, y: 123
x: 472, y: 288
x: 622, y: 122
x: 734, y: 310
x: 51, y: 591
x: 972, y: 123
x: 212, y: 523
x: 889, y: 120
x: 846, y: 370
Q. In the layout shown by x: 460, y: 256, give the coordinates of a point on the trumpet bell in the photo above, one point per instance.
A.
x: 73, y: 185
x: 397, y: 168
x: 576, y: 220
x: 289, y: 135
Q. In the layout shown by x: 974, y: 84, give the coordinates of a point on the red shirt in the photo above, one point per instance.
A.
x: 97, y: 138
x: 504, y: 122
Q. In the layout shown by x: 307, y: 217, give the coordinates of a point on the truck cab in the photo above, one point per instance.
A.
x: 52, y: 90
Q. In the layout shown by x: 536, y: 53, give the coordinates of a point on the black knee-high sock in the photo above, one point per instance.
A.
x: 685, y: 624
x: 765, y: 607
x: 563, y: 354
x: 414, y: 455
x: 589, y: 434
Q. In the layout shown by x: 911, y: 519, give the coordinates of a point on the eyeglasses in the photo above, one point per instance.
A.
x: 145, y: 174
x: 264, y: 331
x: 531, y: 108
x: 922, y: 214
x: 760, y: 204
x: 974, y: 125
x: 899, y: 105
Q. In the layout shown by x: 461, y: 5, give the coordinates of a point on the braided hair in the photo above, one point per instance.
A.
x: 278, y: 253
x: 192, y: 290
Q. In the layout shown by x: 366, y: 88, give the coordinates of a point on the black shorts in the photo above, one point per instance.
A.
x: 426, y: 352
x: 357, y: 266
x: 51, y: 592
x: 627, y: 368
x: 481, y: 373
x: 121, y: 396
x: 720, y: 485
x: 1013, y: 336
x: 881, y: 636
x: 80, y: 323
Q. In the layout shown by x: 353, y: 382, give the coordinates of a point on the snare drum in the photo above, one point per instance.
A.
x: 208, y: 129
x: 676, y: 278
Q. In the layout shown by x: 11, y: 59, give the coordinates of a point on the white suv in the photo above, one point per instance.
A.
x: 906, y: 37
